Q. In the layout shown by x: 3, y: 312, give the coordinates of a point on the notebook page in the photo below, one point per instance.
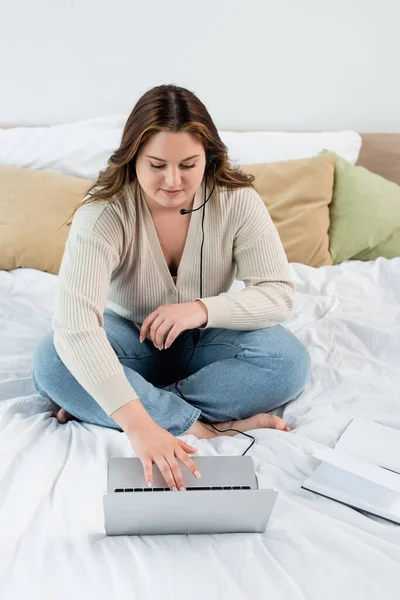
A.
x: 372, y: 442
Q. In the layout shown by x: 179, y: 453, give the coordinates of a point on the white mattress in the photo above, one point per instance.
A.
x: 52, y: 539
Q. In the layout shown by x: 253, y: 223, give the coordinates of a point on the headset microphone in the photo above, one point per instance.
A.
x: 211, y: 163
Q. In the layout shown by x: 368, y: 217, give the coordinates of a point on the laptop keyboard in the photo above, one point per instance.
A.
x: 188, y: 488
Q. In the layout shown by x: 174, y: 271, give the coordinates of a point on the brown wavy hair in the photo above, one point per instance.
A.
x: 164, y: 108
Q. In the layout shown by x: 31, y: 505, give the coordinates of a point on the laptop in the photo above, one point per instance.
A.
x: 225, y: 500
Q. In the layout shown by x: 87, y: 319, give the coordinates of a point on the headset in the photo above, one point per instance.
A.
x: 210, y: 165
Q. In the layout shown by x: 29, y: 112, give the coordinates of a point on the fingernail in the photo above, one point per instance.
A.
x: 197, y: 474
x: 149, y: 484
x: 141, y: 339
x: 174, y: 489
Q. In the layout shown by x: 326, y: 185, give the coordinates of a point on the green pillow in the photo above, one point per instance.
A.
x: 364, y: 215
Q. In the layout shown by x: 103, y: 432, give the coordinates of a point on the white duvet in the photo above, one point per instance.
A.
x: 52, y: 539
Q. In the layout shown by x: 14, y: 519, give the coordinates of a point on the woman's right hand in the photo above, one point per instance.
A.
x: 153, y: 443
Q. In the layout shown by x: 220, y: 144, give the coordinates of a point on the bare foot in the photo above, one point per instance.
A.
x: 262, y: 420
x: 63, y: 416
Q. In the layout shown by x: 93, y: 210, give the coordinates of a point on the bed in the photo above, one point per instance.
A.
x: 53, y: 544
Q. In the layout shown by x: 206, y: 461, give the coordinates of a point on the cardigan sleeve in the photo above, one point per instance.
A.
x: 79, y: 335
x: 262, y: 265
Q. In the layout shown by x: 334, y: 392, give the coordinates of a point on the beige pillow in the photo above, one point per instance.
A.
x: 297, y: 194
x: 33, y: 206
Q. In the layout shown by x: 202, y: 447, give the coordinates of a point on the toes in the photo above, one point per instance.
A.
x: 280, y: 424
x: 62, y: 416
x: 286, y: 427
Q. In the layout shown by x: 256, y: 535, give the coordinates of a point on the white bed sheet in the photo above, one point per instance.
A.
x: 52, y: 539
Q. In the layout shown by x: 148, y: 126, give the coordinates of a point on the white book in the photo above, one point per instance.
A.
x: 363, y: 470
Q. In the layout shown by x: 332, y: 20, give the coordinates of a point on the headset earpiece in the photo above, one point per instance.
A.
x: 211, y: 161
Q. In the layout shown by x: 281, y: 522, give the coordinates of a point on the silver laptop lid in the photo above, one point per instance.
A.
x: 217, y: 472
x: 204, y: 508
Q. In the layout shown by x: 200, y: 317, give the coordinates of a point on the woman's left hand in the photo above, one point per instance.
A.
x: 173, y: 318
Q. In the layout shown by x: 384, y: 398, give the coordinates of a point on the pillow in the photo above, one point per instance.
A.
x: 297, y: 194
x: 33, y: 207
x: 79, y: 149
x: 251, y: 147
x: 364, y: 215
x: 82, y: 149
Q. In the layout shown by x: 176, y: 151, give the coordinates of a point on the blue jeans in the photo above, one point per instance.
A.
x: 233, y: 374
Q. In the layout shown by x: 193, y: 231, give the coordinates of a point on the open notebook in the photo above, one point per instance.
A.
x: 363, y: 470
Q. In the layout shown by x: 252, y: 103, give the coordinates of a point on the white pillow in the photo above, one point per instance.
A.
x: 250, y: 147
x: 80, y: 149
x: 83, y: 148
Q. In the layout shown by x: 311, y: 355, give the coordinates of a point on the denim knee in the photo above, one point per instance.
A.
x: 298, y: 369
x: 45, y: 360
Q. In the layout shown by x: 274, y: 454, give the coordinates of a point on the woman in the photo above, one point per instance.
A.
x: 127, y: 308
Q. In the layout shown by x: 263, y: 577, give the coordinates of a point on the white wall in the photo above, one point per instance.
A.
x: 256, y: 64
